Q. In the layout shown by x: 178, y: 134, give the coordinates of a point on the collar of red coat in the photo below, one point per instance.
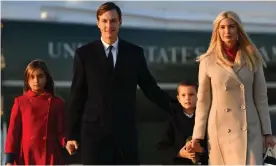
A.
x: 32, y: 94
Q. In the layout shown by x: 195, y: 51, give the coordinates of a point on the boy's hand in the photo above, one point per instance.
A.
x: 189, y: 146
x: 9, y: 164
x: 185, y: 154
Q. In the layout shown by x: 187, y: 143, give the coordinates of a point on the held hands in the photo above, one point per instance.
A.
x: 71, y: 146
x: 189, y: 152
x: 185, y: 154
x: 194, y: 146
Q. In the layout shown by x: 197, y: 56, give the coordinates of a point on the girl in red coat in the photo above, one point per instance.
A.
x: 36, y: 131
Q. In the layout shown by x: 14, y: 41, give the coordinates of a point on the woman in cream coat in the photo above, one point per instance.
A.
x: 232, y: 97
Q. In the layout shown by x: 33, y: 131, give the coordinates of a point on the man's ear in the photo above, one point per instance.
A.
x: 98, y: 23
x: 120, y: 21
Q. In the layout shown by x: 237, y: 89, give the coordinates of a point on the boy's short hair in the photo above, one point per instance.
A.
x: 187, y: 83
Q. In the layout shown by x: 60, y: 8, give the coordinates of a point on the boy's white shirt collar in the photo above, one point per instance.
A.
x: 189, y: 116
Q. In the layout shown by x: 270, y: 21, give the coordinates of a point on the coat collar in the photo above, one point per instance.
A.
x: 233, y: 71
x: 237, y: 68
x: 30, y: 93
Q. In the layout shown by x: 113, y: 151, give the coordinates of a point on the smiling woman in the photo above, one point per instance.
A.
x: 228, y: 32
x: 232, y: 96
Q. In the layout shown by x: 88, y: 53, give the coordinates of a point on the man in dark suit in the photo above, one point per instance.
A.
x: 103, y: 94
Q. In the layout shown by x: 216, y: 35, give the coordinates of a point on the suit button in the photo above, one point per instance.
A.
x: 241, y: 86
x: 243, y: 107
x: 227, y: 109
x: 229, y: 130
x: 44, y: 138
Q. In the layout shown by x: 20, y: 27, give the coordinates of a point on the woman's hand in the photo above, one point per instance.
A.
x: 194, y: 145
x: 269, y: 141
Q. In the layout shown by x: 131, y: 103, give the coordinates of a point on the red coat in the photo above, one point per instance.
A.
x: 36, y: 130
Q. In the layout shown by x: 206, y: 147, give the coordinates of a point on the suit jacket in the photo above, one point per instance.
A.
x: 232, y: 104
x: 179, y: 128
x: 104, y: 104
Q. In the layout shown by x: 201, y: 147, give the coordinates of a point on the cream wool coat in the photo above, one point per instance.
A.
x: 232, y: 104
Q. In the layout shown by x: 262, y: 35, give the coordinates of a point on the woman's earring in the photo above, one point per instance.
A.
x: 237, y: 38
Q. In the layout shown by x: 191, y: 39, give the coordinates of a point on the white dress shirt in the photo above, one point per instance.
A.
x: 189, y: 116
x: 114, y: 50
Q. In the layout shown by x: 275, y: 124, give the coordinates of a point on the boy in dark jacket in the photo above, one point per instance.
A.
x: 180, y: 129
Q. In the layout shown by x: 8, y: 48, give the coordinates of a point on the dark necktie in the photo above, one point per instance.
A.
x: 110, y: 60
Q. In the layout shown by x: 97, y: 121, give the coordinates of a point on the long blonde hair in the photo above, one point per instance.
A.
x: 247, y: 50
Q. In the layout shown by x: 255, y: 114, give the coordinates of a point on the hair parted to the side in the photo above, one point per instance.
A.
x: 107, y: 7
x: 38, y: 64
x: 187, y: 83
x: 247, y: 50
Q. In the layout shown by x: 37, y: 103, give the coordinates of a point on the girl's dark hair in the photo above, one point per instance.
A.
x: 38, y: 64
